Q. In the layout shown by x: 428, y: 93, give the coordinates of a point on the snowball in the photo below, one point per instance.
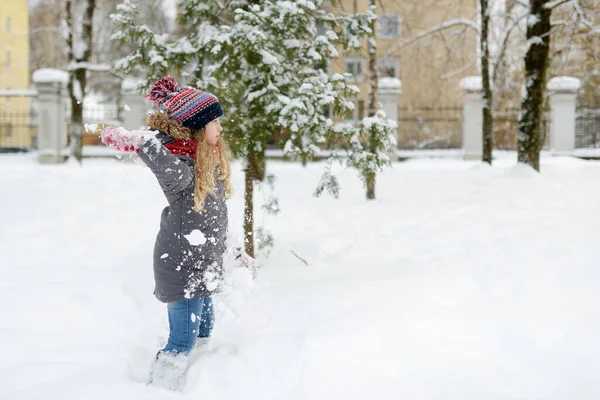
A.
x: 91, y: 127
x: 196, y: 238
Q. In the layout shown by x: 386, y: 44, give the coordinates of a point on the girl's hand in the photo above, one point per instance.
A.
x: 248, y: 262
x: 121, y: 139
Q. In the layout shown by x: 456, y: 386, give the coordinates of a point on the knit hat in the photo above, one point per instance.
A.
x: 190, y: 107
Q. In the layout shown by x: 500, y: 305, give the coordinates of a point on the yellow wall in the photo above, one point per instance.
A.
x: 14, y: 72
x: 429, y: 73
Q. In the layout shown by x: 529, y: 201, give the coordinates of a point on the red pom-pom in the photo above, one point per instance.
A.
x: 160, y: 90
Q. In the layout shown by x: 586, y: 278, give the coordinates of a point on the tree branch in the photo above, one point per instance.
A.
x: 581, y: 15
x: 556, y: 3
x: 522, y: 3
x: 514, y: 24
x: 440, y: 27
x: 462, y: 69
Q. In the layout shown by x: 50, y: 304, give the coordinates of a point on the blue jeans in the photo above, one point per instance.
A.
x: 189, y: 319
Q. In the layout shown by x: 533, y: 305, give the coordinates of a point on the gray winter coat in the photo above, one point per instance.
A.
x: 188, y: 253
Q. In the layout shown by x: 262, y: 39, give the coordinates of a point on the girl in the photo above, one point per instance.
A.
x: 191, y: 163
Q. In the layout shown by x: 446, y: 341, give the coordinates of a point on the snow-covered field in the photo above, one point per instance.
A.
x: 460, y: 281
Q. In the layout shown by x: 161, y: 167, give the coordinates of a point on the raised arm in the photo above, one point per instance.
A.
x: 172, y: 174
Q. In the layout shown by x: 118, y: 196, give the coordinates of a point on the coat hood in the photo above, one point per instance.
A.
x: 170, y: 127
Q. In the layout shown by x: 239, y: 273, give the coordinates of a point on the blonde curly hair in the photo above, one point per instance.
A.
x: 212, y: 162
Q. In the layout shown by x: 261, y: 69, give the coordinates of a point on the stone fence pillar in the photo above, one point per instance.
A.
x: 52, y: 129
x: 563, y: 104
x: 472, y: 118
x: 388, y: 94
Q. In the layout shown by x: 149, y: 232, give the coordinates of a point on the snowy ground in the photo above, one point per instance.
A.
x: 460, y: 282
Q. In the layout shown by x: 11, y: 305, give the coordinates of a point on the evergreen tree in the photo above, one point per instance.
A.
x: 264, y: 61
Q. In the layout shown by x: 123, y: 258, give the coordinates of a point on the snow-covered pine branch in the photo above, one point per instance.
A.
x: 266, y: 66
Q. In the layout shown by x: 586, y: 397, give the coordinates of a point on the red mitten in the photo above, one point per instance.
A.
x: 248, y: 262
x: 121, y: 139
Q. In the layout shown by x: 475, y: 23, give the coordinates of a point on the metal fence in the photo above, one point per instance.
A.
x: 419, y: 128
x: 430, y: 128
x: 506, y: 128
x: 441, y: 128
x: 19, y: 128
x: 587, y: 128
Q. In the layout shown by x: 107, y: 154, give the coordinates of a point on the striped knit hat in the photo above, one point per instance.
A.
x: 190, y: 107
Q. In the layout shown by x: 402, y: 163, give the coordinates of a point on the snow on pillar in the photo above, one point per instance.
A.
x: 134, y: 104
x: 388, y: 94
x: 52, y: 127
x: 472, y: 117
x: 563, y: 102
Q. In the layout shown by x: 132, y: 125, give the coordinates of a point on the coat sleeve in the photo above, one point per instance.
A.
x: 172, y: 174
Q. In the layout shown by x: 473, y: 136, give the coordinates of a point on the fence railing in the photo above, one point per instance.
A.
x: 506, y: 128
x: 430, y: 127
x: 419, y: 128
x: 19, y: 128
x: 587, y: 128
x: 441, y: 128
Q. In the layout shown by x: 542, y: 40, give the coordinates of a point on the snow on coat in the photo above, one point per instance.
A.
x: 189, y: 247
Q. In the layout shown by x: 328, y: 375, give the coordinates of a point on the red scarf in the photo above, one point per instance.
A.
x: 183, y: 147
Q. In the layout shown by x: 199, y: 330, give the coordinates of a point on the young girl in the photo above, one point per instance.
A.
x: 192, y: 165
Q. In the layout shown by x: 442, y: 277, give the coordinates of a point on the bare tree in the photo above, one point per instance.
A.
x: 539, y: 29
x: 79, y: 53
x: 488, y: 139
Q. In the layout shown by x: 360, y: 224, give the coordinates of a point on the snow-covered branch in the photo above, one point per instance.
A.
x: 584, y: 20
x: 460, y: 70
x: 556, y: 3
x: 522, y: 3
x: 89, y: 66
x: 513, y: 24
x: 437, y: 28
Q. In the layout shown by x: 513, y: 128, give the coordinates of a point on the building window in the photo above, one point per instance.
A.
x: 389, y: 67
x: 321, y: 30
x: 8, y: 60
x: 358, y: 113
x: 8, y: 25
x: 6, y: 130
x: 354, y: 66
x: 389, y: 26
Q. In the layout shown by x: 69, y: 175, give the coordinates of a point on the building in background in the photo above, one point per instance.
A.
x: 15, y: 115
x: 430, y: 69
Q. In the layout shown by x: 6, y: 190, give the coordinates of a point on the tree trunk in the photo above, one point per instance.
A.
x: 78, y: 78
x: 530, y: 139
x: 373, y: 81
x: 487, y: 131
x: 249, y: 212
x: 76, y: 130
x: 254, y: 171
